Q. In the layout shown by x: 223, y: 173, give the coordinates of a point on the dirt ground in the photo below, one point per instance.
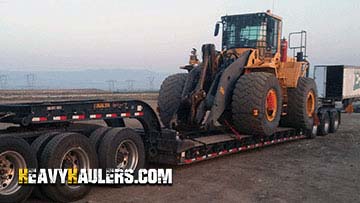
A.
x: 325, y: 169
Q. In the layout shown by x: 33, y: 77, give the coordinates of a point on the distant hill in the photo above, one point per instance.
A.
x: 104, y: 79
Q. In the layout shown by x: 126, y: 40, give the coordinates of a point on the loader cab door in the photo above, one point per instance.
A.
x: 257, y: 31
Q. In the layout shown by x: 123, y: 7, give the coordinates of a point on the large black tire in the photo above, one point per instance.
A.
x: 97, y: 135
x: 249, y: 104
x: 113, y: 141
x: 334, y: 121
x: 52, y: 157
x: 20, y: 155
x: 170, y: 96
x: 324, y: 126
x: 297, y: 113
x: 40, y: 142
x: 38, y: 146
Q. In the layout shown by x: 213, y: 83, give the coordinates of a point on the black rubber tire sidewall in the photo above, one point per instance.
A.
x: 38, y: 146
x: 109, y: 145
x: 51, y: 156
x: 250, y: 93
x: 40, y: 143
x: 170, y: 96
x: 97, y: 136
x: 296, y: 108
x: 22, y: 147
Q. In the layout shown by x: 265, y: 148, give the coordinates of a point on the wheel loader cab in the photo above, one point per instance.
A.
x: 259, y: 31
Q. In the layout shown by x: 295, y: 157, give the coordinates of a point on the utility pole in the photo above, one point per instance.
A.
x: 130, y: 85
x: 273, y: 7
x: 111, y: 85
x: 151, y: 82
x: 3, y: 81
x: 30, y: 80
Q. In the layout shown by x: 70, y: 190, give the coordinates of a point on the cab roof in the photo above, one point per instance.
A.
x: 268, y: 13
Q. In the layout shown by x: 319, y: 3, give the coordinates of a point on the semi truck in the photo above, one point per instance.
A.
x: 337, y: 83
x: 53, y: 134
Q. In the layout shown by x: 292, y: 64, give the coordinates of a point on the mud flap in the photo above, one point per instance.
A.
x: 225, y: 88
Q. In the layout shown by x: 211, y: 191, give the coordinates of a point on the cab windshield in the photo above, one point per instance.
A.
x: 250, y: 31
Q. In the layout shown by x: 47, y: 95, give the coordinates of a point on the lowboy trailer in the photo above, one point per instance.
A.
x: 48, y: 134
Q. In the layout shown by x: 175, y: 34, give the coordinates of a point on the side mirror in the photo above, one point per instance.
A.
x: 217, y: 28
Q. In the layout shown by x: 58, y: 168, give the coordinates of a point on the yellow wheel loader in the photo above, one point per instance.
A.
x: 251, y: 85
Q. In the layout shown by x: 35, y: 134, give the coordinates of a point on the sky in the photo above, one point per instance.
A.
x: 157, y: 35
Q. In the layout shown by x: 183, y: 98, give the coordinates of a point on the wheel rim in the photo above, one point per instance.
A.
x: 310, y: 103
x: 10, y: 162
x: 271, y: 105
x: 336, y: 124
x: 326, y: 126
x: 75, y: 158
x: 127, y: 155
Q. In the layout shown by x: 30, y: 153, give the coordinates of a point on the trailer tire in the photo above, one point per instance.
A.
x: 116, y: 144
x: 256, y: 104
x: 170, y: 97
x: 61, y: 147
x: 97, y: 135
x: 38, y: 146
x: 334, y: 121
x: 302, y: 105
x: 15, y: 153
x: 40, y: 142
x: 324, y: 123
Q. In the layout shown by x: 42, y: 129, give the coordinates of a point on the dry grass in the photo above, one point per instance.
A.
x: 19, y: 96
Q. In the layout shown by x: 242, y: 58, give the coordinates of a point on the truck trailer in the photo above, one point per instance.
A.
x: 337, y: 83
x: 48, y: 133
x: 248, y: 95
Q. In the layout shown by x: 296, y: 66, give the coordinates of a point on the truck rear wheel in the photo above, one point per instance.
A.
x: 334, y: 121
x: 324, y: 126
x: 302, y: 105
x: 97, y: 135
x: 256, y: 104
x: 38, y: 146
x: 122, y: 148
x: 68, y: 150
x: 170, y: 96
x: 39, y: 143
x: 15, y: 153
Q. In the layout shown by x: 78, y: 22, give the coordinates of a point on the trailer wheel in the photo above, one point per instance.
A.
x: 97, y: 135
x: 15, y: 153
x: 122, y: 148
x: 39, y: 143
x: 38, y: 146
x: 170, y: 96
x: 334, y: 121
x: 302, y: 105
x: 68, y: 150
x: 324, y: 124
x: 256, y: 104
